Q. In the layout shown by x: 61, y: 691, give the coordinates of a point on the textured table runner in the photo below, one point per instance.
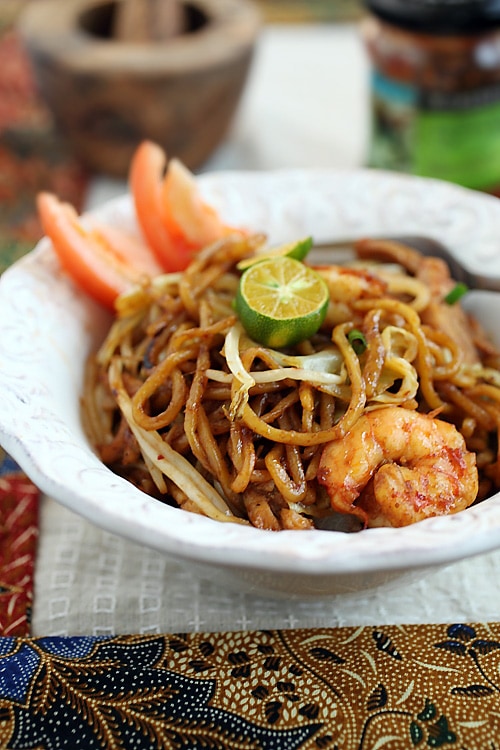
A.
x: 398, y: 687
x: 18, y: 538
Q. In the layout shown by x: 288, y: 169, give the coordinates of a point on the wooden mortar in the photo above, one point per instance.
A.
x: 107, y: 94
x: 148, y: 20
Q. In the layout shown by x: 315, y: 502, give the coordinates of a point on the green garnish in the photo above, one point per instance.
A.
x: 456, y: 293
x: 357, y: 340
x: 298, y: 250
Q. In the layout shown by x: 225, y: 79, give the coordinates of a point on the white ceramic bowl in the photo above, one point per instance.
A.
x: 49, y: 327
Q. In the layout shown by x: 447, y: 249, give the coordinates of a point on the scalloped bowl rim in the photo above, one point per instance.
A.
x: 41, y: 369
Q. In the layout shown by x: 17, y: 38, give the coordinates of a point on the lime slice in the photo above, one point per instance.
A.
x: 297, y: 249
x: 280, y: 302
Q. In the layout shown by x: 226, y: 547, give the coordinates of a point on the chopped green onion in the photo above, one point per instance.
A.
x: 357, y: 340
x: 456, y: 293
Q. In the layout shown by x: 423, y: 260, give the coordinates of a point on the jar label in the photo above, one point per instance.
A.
x: 453, y: 136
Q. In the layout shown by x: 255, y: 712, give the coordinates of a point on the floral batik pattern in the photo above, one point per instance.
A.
x: 430, y: 686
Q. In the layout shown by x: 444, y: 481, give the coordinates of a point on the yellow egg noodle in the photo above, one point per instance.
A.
x: 387, y: 415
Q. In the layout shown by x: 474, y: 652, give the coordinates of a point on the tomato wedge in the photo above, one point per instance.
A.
x: 103, y: 261
x: 175, y: 220
x: 186, y: 215
x: 145, y: 181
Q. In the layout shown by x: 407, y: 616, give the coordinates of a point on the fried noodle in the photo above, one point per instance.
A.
x: 182, y: 403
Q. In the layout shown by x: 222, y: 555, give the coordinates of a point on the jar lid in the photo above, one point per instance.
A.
x: 439, y: 16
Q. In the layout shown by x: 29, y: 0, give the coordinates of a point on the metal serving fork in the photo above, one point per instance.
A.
x: 343, y: 251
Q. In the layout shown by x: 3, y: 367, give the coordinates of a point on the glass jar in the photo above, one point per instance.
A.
x: 436, y: 88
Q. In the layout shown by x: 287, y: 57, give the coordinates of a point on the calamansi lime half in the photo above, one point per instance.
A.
x: 281, y: 302
x: 297, y: 249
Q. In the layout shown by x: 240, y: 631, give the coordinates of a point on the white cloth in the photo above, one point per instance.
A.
x: 89, y: 581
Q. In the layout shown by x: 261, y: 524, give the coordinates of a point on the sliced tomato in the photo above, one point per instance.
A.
x: 145, y: 181
x: 186, y: 215
x: 103, y: 261
x: 176, y: 221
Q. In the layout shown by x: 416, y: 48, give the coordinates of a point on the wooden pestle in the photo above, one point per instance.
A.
x: 148, y: 20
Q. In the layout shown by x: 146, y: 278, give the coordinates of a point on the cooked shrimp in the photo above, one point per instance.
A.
x: 396, y: 467
x: 347, y: 285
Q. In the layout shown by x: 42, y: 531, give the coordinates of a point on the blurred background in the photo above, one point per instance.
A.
x: 409, y: 85
x: 282, y: 11
x: 33, y: 156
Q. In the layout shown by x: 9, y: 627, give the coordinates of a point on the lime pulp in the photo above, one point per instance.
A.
x: 280, y: 301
